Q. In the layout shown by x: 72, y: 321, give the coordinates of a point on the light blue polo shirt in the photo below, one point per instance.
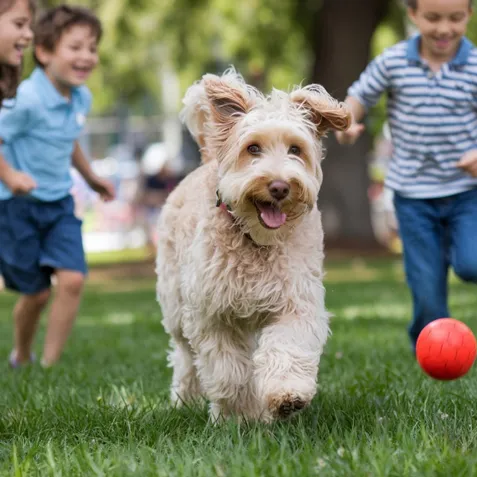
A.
x: 39, y: 128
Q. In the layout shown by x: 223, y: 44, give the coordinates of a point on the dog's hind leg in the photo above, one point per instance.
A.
x: 185, y: 388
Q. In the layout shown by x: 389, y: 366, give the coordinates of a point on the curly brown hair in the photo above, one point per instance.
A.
x: 55, y: 21
x: 413, y: 4
x: 10, y: 75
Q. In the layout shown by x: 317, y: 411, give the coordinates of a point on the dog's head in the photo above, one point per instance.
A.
x: 268, y: 148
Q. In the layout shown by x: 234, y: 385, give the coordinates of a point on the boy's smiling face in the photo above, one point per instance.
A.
x: 73, y: 59
x: 442, y: 24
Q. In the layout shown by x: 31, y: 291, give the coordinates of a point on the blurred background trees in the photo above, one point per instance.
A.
x: 273, y: 43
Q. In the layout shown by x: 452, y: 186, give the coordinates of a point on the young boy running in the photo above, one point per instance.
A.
x: 39, y: 233
x: 431, y: 84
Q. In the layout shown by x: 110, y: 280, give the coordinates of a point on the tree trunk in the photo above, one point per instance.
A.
x: 341, y: 43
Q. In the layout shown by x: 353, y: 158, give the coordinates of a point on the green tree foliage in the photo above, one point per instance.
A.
x: 260, y: 37
x: 268, y: 41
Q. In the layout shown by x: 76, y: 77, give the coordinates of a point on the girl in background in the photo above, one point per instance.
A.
x: 16, y: 18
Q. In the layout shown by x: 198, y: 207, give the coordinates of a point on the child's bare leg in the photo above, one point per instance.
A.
x: 26, y: 315
x: 63, y: 314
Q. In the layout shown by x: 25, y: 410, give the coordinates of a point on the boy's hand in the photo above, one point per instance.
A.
x: 104, y: 188
x: 19, y: 182
x: 468, y: 163
x: 351, y: 135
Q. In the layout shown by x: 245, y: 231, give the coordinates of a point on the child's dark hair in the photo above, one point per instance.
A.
x: 413, y: 3
x: 54, y: 22
x: 10, y: 75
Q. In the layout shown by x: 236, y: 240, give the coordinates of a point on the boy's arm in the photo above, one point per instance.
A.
x: 18, y: 182
x: 5, y: 169
x: 15, y: 120
x: 362, y: 95
x: 358, y: 111
x: 17, y: 117
x: 468, y: 162
x: 356, y: 128
x: 103, y: 187
x: 81, y: 164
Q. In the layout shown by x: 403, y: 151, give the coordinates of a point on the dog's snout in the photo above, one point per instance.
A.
x: 279, y: 189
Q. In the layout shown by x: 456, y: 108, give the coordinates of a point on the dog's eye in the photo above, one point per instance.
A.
x: 295, y: 150
x: 254, y: 149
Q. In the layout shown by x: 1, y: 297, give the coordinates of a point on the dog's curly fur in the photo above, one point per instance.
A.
x: 241, y: 290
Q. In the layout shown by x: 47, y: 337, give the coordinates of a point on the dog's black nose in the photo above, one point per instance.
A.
x: 279, y: 189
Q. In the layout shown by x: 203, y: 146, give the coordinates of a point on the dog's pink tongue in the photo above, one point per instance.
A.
x: 271, y: 215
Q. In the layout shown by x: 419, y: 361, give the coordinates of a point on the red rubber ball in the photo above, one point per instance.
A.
x: 446, y: 349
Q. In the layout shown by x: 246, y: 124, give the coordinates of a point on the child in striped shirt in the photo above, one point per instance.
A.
x: 431, y: 84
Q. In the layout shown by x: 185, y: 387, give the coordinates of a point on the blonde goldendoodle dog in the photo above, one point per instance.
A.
x: 240, y: 252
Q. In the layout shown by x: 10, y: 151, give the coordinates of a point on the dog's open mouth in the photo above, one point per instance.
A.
x: 270, y: 215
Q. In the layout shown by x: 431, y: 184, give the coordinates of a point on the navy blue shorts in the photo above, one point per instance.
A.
x: 37, y: 238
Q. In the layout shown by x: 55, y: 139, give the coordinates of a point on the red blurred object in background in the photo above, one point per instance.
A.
x: 446, y: 349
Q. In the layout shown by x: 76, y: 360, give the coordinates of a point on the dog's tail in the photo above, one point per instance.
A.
x: 195, y: 115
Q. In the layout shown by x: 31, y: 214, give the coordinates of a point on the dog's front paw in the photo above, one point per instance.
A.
x: 285, y: 405
x: 282, y: 401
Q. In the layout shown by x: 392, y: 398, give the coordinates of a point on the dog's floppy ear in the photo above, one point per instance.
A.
x: 321, y: 109
x: 213, y: 105
x: 195, y: 112
x: 229, y: 98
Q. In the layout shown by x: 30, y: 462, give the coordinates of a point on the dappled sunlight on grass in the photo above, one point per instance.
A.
x: 117, y: 318
x: 345, y: 276
x: 359, y: 270
x: 122, y: 397
x: 382, y: 311
x: 118, y: 285
x: 104, y: 410
x: 118, y: 256
x: 125, y: 318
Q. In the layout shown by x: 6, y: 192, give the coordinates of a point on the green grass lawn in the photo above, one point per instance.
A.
x: 104, y: 410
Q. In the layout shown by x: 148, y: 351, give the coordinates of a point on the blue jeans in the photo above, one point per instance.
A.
x: 436, y: 234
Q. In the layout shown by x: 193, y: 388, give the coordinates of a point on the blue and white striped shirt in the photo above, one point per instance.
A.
x: 432, y: 117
